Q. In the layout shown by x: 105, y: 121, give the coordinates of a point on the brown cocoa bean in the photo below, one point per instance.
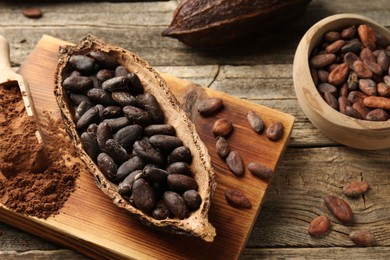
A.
x: 144, y: 149
x: 335, y: 46
x: 355, y: 189
x: 222, y: 147
x: 82, y: 63
x: 322, y: 76
x: 112, y: 112
x: 116, y: 151
x: 361, y: 69
x: 78, y: 98
x: 83, y: 107
x: 314, y: 75
x: 348, y: 32
x: 319, y: 226
x: 181, y: 183
x: 135, y: 85
x: 90, y: 145
x: 260, y: 170
x: 367, y: 36
x: 124, y: 98
x: 331, y: 100
x: 383, y: 60
x: 367, y: 56
x: 343, y: 103
x: 377, y: 115
x: 327, y: 87
x: 377, y: 102
x: 133, y: 164
x: 352, y: 46
x: 332, y: 36
x: 104, y: 74
x: 237, y: 199
x: 383, y: 89
x: 350, y: 111
x: 160, y: 129
x: 362, y: 237
x: 255, y: 121
x: 77, y: 84
x: 120, y: 83
x: 107, y: 166
x: 103, y: 133
x: 322, y: 60
x: 180, y: 154
x: 104, y: 59
x: 124, y: 187
x: 192, y: 199
x: 368, y: 87
x: 359, y: 107
x: 235, y: 163
x: 210, y: 106
x: 176, y: 204
x: 275, y: 131
x: 150, y: 104
x: 32, y: 12
x: 137, y: 115
x: 154, y: 175
x: 179, y: 168
x: 222, y: 127
x: 350, y: 58
x: 353, y: 81
x: 161, y: 211
x: 143, y: 196
x: 355, y: 96
x: 127, y: 135
x: 344, y: 90
x: 339, y: 208
x: 89, y: 117
x: 101, y: 96
x: 165, y: 142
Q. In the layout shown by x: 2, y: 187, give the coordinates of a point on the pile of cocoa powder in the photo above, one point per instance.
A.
x: 39, y: 193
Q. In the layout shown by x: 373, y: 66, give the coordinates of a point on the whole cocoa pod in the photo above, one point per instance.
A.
x: 211, y: 23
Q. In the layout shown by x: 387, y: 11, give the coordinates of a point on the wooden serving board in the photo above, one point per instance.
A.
x: 91, y: 224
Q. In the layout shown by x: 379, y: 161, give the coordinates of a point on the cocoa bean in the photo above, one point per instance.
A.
x: 319, y: 226
x: 327, y: 87
x: 151, y: 105
x: 331, y: 100
x: 332, y: 36
x: 353, y: 46
x: 235, y: 163
x: 176, y: 204
x: 377, y: 115
x: 383, y: 89
x: 116, y: 151
x: 192, y: 199
x: 322, y: 60
x: 144, y: 149
x: 222, y: 127
x: 179, y: 168
x: 339, y: 208
x: 117, y: 123
x: 343, y: 103
x: 180, y: 154
x: 255, y: 121
x: 161, y: 211
x: 350, y: 111
x: 89, y: 117
x: 275, y: 131
x: 322, y: 76
x: 101, y: 96
x: 78, y: 98
x: 104, y: 59
x: 90, y: 145
x: 104, y: 74
x: 137, y: 115
x: 361, y: 69
x: 368, y: 87
x: 127, y: 135
x: 350, y: 58
x: 124, y: 98
x: 107, y: 166
x: 377, y: 102
x: 103, y: 133
x: 143, y: 195
x: 355, y: 189
x: 124, y: 187
x: 165, y: 142
x: 135, y: 86
x: 112, y: 112
x: 83, y: 107
x: 359, y: 107
x: 210, y: 106
x: 383, y: 60
x: 260, y: 170
x: 237, y: 199
x: 77, y: 84
x: 348, y: 32
x: 222, y: 147
x: 154, y: 175
x: 161, y: 129
x: 120, y: 83
x: 335, y: 46
x: 133, y: 164
x: 362, y: 237
x: 367, y: 36
x: 181, y: 183
x: 32, y: 12
x: 82, y: 63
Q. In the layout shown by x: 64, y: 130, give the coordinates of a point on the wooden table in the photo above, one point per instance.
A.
x: 258, y: 70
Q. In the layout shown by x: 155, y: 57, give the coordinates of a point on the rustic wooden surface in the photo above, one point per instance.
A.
x: 258, y: 69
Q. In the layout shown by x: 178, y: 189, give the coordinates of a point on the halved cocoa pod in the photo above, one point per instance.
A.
x: 196, y: 223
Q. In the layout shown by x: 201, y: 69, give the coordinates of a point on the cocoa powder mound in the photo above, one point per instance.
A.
x: 22, y: 189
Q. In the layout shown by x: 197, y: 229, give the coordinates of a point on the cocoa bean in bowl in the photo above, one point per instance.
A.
x: 342, y: 80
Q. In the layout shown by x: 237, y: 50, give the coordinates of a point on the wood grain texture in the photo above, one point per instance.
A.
x: 88, y: 212
x: 280, y: 229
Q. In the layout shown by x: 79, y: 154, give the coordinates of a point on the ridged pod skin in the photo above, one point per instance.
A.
x: 197, y: 223
x: 210, y: 23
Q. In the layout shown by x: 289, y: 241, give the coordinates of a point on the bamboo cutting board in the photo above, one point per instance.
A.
x: 91, y: 224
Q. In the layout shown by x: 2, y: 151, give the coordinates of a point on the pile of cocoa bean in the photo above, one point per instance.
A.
x: 350, y: 68
x: 122, y: 128
x: 341, y: 210
x: 222, y: 129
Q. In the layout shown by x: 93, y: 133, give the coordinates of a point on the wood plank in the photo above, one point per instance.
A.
x: 88, y: 212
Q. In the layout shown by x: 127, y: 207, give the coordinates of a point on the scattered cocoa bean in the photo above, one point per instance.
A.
x: 261, y: 171
x: 32, y: 12
x: 275, y: 131
x: 237, y: 199
x: 222, y: 147
x: 339, y: 208
x: 362, y: 237
x: 210, y: 106
x: 235, y: 163
x: 355, y: 188
x: 319, y: 226
x: 222, y: 127
x: 255, y: 121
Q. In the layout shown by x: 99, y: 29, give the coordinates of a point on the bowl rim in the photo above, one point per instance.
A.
x: 301, y: 70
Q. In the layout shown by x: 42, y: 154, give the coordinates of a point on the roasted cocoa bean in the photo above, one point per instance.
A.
x: 92, y: 129
x: 116, y: 151
x: 322, y: 60
x: 133, y: 164
x: 359, y: 107
x: 78, y: 98
x: 77, y: 84
x: 136, y: 115
x: 179, y: 168
x: 344, y: 90
x: 339, y: 74
x: 161, y: 211
x: 107, y: 166
x: 192, y: 199
x: 368, y: 87
x: 210, y: 106
x: 181, y: 183
x: 120, y: 83
x: 235, y: 163
x: 112, y: 112
x: 90, y: 145
x: 237, y: 199
x: 104, y: 74
x: 32, y: 12
x: 260, y: 170
x: 154, y: 175
x: 377, y: 115
x: 165, y: 142
x: 361, y: 69
x: 339, y: 208
x: 180, y: 154
x: 335, y: 46
x: 367, y: 56
x: 143, y: 195
x: 353, y: 46
x: 332, y: 36
x: 383, y: 60
x: 83, y: 107
x: 135, y: 85
x: 348, y: 32
x: 103, y: 133
x: 353, y: 81
x: 124, y: 187
x: 377, y: 102
x: 89, y: 117
x: 350, y: 111
x: 151, y: 105
x: 222, y: 127
x: 160, y: 129
x: 343, y: 103
x: 176, y: 204
x: 144, y: 149
x: 331, y: 100
x: 327, y: 87
x: 255, y: 121
x: 127, y: 135
x: 105, y: 60
x: 322, y: 76
x: 362, y: 237
x: 117, y: 123
x: 82, y: 63
x: 101, y: 96
x: 124, y: 98
x: 356, y: 96
x: 355, y: 189
x: 319, y: 226
x: 367, y: 36
x: 121, y: 71
x: 383, y: 89
x: 275, y: 131
x: 222, y: 147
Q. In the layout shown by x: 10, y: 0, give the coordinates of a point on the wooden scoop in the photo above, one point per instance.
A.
x: 9, y: 77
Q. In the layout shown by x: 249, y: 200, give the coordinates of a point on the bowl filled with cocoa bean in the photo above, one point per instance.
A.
x: 342, y: 80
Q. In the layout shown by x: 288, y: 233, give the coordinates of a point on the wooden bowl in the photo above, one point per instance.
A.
x: 356, y: 133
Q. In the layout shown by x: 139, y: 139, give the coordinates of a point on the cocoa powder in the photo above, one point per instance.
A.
x: 43, y: 193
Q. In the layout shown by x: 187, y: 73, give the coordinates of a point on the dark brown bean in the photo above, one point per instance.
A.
x: 104, y: 74
x: 160, y: 129
x: 83, y: 107
x: 146, y: 151
x: 124, y: 187
x: 116, y: 151
x: 143, y: 195
x: 101, y: 96
x: 368, y: 87
x: 176, y: 204
x: 319, y: 226
x: 343, y: 103
x: 124, y: 98
x: 90, y: 145
x: 107, y: 166
x: 192, y: 199
x: 117, y: 123
x: 82, y: 63
x: 327, y: 87
x: 235, y: 163
x: 260, y: 170
x: 348, y: 32
x: 377, y: 115
x: 179, y: 168
x: 135, y: 85
x: 154, y: 175
x: 359, y: 107
x: 275, y: 131
x: 136, y: 115
x: 120, y: 83
x: 222, y: 127
x: 255, y: 121
x: 165, y: 142
x: 89, y: 117
x: 180, y: 154
x: 127, y: 135
x: 323, y: 76
x: 237, y: 199
x: 151, y: 105
x: 339, y: 208
x: 353, y: 46
x: 350, y: 111
x: 322, y: 60
x: 103, y: 133
x: 222, y: 147
x: 112, y: 112
x: 104, y: 59
x: 133, y: 164
x: 210, y: 106
x: 32, y: 12
x: 77, y: 84
x: 78, y: 98
x: 181, y: 183
x: 161, y: 211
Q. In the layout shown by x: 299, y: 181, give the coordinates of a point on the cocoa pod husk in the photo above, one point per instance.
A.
x: 212, y: 23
